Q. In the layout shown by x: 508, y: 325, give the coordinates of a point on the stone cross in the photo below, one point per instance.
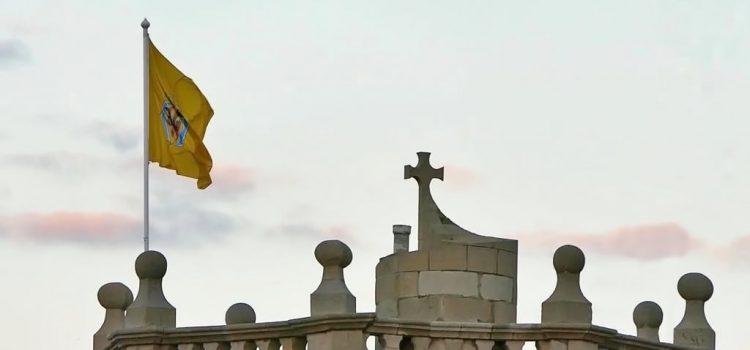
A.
x: 424, y: 173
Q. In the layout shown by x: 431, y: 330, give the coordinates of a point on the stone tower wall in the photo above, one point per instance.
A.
x: 452, y: 282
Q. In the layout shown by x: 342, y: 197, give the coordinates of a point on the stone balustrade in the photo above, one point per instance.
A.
x: 300, y: 334
x: 335, y: 325
x: 457, y: 291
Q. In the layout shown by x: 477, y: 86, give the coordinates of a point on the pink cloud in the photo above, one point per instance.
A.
x: 459, y: 177
x: 642, y: 242
x: 735, y: 253
x: 69, y: 226
x: 233, y: 178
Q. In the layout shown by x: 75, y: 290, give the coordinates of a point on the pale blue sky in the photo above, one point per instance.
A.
x: 579, y: 121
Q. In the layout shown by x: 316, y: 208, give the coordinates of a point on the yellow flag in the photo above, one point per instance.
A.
x: 178, y: 116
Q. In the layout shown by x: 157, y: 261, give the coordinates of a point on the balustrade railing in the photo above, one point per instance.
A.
x: 327, y: 332
x: 148, y: 322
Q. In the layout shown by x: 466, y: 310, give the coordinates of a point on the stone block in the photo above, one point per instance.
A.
x: 566, y: 312
x: 395, y: 286
x: 445, y: 308
x: 413, y: 261
x: 507, y: 263
x: 386, y: 265
x: 407, y: 284
x: 503, y: 312
x: 448, y: 282
x: 582, y: 345
x: 418, y: 309
x: 332, y: 298
x: 387, y: 309
x: 448, y: 257
x: 494, y: 287
x: 385, y: 288
x: 464, y: 309
x: 480, y: 259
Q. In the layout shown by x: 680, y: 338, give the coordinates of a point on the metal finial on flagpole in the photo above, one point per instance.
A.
x: 145, y: 24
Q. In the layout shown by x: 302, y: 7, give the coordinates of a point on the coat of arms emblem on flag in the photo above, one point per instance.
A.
x: 175, y: 125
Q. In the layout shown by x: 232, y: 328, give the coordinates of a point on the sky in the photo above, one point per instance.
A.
x: 618, y: 126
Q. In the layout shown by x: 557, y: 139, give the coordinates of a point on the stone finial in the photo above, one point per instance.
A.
x: 332, y: 296
x: 150, y: 307
x: 567, y: 304
x: 114, y: 297
x: 240, y: 313
x: 694, y: 329
x: 401, y: 238
x: 647, y: 317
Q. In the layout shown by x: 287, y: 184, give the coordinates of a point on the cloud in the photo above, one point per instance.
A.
x: 13, y: 51
x: 459, y: 177
x: 230, y: 182
x: 641, y: 242
x: 188, y: 224
x: 120, y: 137
x: 43, y: 161
x: 312, y: 232
x: 69, y: 226
x: 63, y: 162
x: 233, y: 178
x: 183, y: 225
x: 735, y: 254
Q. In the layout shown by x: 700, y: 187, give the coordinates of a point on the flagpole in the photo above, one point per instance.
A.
x: 145, y: 24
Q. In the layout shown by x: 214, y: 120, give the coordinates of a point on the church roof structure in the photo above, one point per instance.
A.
x: 456, y: 291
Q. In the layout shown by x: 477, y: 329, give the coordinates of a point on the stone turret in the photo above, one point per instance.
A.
x: 454, y: 275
